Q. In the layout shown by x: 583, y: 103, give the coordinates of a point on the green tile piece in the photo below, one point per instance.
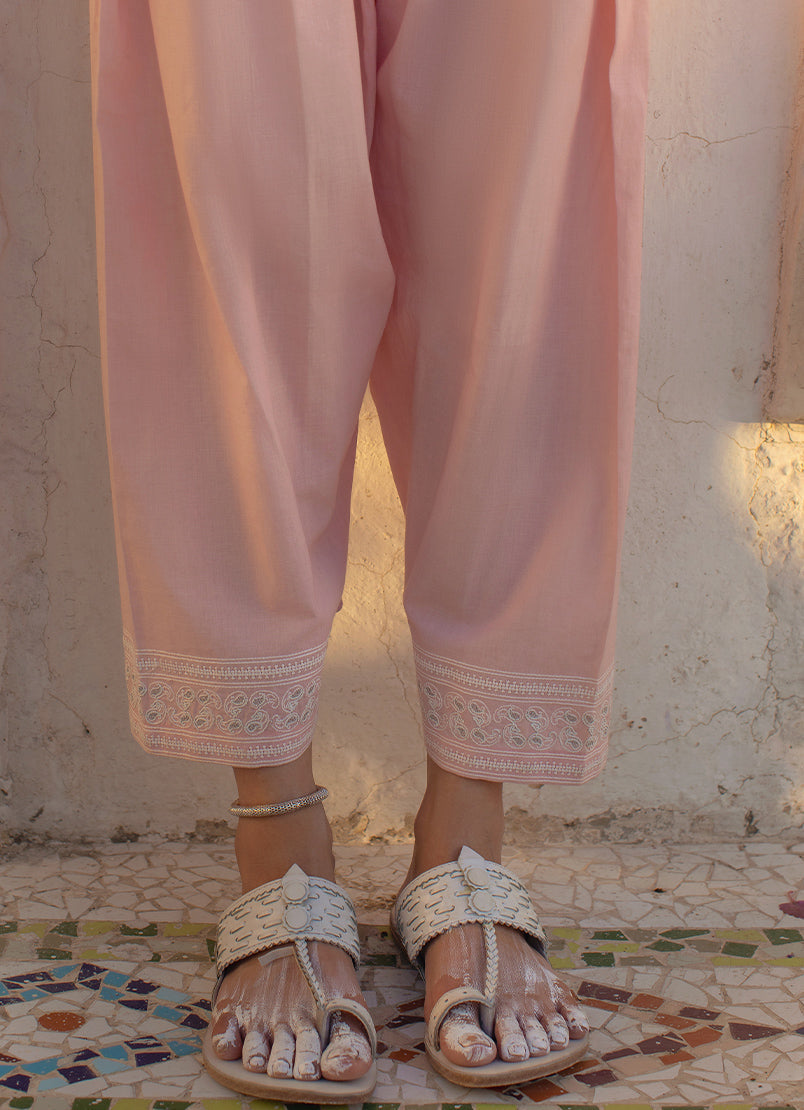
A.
x: 138, y: 1104
x: 789, y: 961
x: 609, y: 934
x: 211, y: 948
x: 749, y: 936
x: 53, y: 954
x: 598, y: 959
x: 264, y: 1104
x: 93, y: 1104
x: 561, y: 963
x: 629, y: 1106
x: 131, y: 931
x: 380, y: 959
x: 733, y: 948
x: 66, y: 929
x: 700, y: 945
x: 666, y: 946
x: 21, y: 1103
x: 734, y: 1106
x: 566, y: 932
x: 96, y: 928
x: 188, y: 929
x: 8, y: 927
x: 38, y: 928
x: 167, y: 1104
x: 638, y: 961
x: 683, y: 934
x: 783, y: 936
x: 217, y: 1104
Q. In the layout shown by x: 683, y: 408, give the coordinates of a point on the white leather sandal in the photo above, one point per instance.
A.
x: 474, y: 890
x: 292, y: 910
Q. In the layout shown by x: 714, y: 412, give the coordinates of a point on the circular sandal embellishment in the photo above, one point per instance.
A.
x: 296, y: 918
x: 295, y: 890
x: 477, y: 877
x: 482, y: 901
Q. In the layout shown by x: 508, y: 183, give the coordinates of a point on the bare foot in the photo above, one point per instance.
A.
x: 536, y: 1012
x: 264, y: 1011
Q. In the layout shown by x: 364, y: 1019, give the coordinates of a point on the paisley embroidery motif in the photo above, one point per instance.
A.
x: 196, y: 707
x: 496, y: 722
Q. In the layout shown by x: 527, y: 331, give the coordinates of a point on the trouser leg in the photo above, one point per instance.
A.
x: 244, y: 287
x: 507, y: 160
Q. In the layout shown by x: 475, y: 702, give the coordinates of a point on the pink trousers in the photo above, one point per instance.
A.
x: 441, y: 198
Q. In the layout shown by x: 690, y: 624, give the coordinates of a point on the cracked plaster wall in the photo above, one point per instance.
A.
x: 708, y: 736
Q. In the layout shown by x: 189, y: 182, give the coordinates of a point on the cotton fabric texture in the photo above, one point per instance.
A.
x: 441, y: 198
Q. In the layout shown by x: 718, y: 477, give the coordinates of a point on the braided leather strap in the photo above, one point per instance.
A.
x: 294, y: 908
x: 471, y: 889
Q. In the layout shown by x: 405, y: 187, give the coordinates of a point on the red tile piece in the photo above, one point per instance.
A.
x: 597, y: 1078
x: 416, y: 1004
x: 699, y: 1014
x: 664, y: 1042
x: 647, y: 1001
x: 601, y: 991
x: 673, y: 1021
x: 698, y: 1037
x: 676, y: 1058
x: 403, y: 1055
x: 742, y: 1031
x: 541, y: 1091
x: 596, y: 1004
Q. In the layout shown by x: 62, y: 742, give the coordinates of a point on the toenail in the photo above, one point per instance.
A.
x: 257, y: 1061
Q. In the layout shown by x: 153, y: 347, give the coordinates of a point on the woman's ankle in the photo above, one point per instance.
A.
x: 456, y: 811
x: 266, y: 847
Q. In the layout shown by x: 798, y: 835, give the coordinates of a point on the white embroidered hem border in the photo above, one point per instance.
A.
x: 513, y: 727
x: 243, y: 712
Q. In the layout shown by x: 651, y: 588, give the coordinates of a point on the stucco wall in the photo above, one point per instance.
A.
x: 708, y: 736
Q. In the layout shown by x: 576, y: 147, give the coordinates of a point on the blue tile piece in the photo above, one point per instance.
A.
x: 109, y: 993
x: 32, y: 993
x: 106, y: 1067
x: 6, y: 1068
x: 63, y: 972
x: 169, y: 1014
x: 171, y: 996
x: 51, y: 1083
x: 184, y: 1048
x: 115, y: 979
x: 43, y: 1067
x: 115, y: 1052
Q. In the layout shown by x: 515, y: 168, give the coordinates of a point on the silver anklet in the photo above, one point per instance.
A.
x: 274, y: 809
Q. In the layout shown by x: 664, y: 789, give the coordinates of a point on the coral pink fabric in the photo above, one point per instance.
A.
x: 441, y: 197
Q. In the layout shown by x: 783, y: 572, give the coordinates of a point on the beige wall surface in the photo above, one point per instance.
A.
x: 708, y: 735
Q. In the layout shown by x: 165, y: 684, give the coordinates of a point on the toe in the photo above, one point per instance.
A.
x: 511, y: 1043
x: 577, y: 1021
x: 348, y: 1053
x: 308, y: 1054
x: 255, y: 1051
x: 463, y: 1041
x: 280, y: 1063
x: 557, y: 1031
x: 226, y: 1039
x: 536, y: 1036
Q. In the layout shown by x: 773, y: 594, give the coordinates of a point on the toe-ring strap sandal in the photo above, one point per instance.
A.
x: 473, y: 890
x: 293, y: 910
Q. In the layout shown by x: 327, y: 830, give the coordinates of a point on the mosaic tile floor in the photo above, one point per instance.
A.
x: 692, y: 975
